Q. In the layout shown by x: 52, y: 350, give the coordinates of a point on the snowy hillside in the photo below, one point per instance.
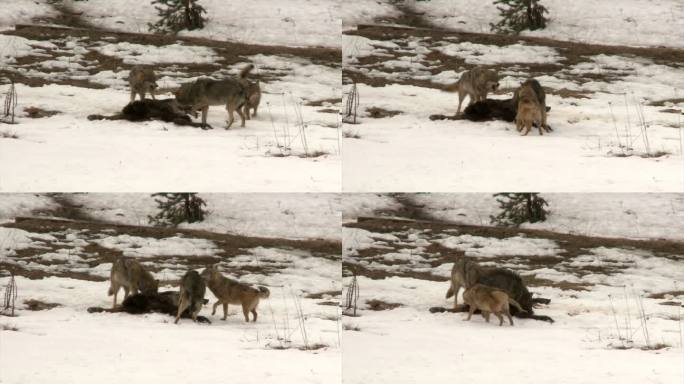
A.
x: 656, y: 23
x: 626, y: 215
x: 615, y: 112
x: 296, y: 337
x: 267, y: 215
x: 617, y: 306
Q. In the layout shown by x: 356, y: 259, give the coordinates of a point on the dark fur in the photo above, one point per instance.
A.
x: 162, y: 302
x: 166, y: 110
x: 491, y: 109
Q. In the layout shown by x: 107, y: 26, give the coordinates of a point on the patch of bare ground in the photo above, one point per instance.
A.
x: 664, y: 102
x: 407, y: 15
x: 8, y: 135
x: 323, y: 294
x: 329, y: 303
x: 37, y: 305
x: 665, y: 294
x: 381, y: 113
x: 322, y: 102
x: 673, y: 110
x: 379, y: 305
x: 38, y: 113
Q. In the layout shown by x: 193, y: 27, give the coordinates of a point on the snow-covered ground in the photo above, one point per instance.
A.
x: 610, y: 305
x: 612, y: 115
x: 289, y: 22
x: 67, y: 152
x: 263, y: 214
x: 624, y: 215
x: 69, y: 264
x: 625, y: 22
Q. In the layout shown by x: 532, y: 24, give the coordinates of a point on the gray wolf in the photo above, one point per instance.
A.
x: 464, y: 274
x: 142, y: 80
x: 204, y: 92
x: 489, y: 300
x: 253, y: 90
x: 229, y: 291
x: 530, y: 100
x: 130, y: 275
x: 475, y: 83
x: 192, y: 289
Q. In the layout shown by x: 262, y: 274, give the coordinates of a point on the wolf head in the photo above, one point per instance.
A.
x: 264, y: 293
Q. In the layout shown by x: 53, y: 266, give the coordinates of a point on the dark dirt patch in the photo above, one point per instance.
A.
x: 37, y: 305
x: 10, y: 328
x: 566, y: 93
x: 571, y: 53
x: 350, y: 135
x: 328, y: 110
x: 379, y: 305
x: 672, y: 110
x: 662, y: 295
x: 38, y: 113
x: 380, y: 113
x: 407, y: 16
x: 672, y: 303
x: 65, y: 15
x: 322, y: 102
x: 329, y: 303
x: 661, y: 103
x: 323, y: 294
x: 8, y: 135
x: 408, y: 207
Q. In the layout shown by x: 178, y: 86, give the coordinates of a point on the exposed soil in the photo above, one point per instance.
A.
x: 434, y: 254
x: 93, y: 254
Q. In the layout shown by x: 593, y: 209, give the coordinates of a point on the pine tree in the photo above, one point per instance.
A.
x: 518, y: 15
x: 176, y: 208
x: 177, y: 15
x: 518, y: 208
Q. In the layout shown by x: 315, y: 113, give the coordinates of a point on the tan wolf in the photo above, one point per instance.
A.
x: 531, y: 107
x: 475, y: 83
x: 489, y: 300
x: 204, y: 92
x: 130, y: 275
x: 229, y: 291
x: 192, y: 289
x: 142, y: 80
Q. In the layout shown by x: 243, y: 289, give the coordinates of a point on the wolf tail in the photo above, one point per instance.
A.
x: 450, y: 292
x: 264, y: 293
x: 246, y: 70
x: 515, y: 304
